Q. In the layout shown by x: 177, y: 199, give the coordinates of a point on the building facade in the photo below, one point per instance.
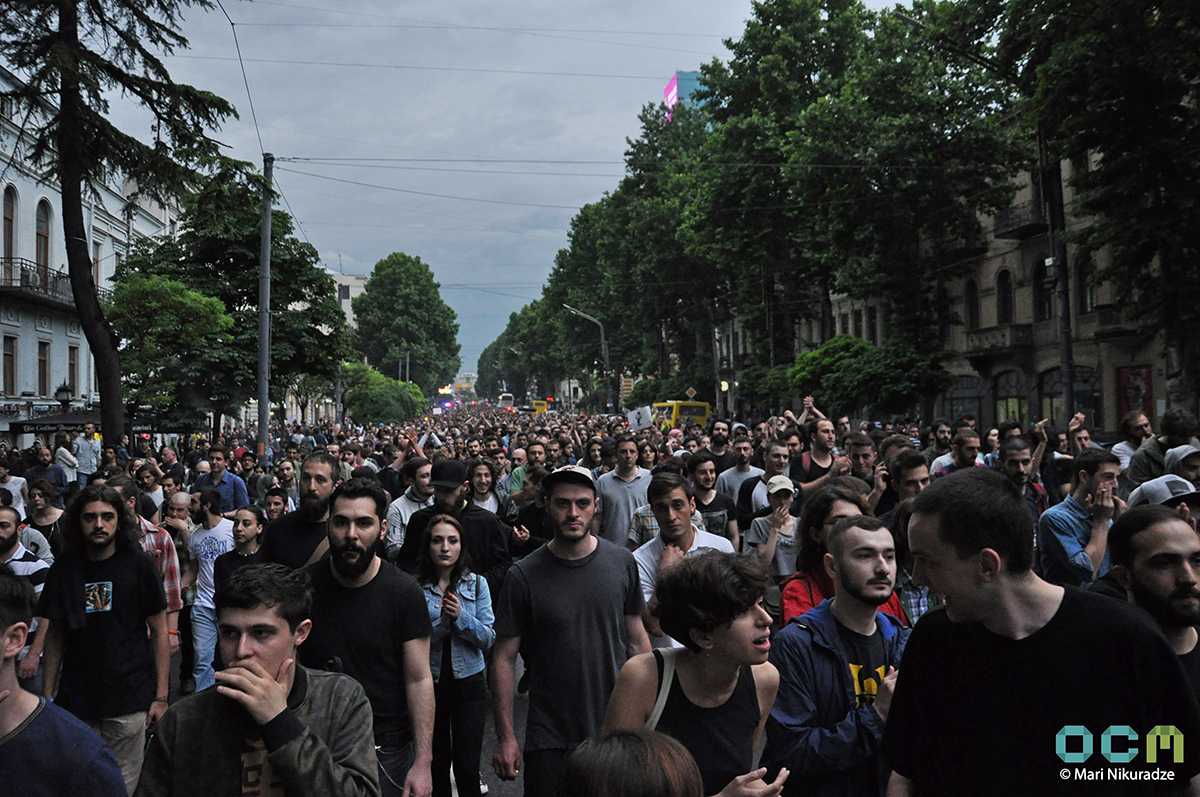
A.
x: 43, y: 346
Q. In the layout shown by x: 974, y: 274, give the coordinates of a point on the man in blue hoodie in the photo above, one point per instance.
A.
x: 837, y: 669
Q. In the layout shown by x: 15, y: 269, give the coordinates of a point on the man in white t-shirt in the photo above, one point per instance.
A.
x: 213, y: 537
x: 673, y: 503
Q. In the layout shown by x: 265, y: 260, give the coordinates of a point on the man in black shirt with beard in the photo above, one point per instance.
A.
x: 1156, y: 558
x: 298, y: 538
x: 718, y: 446
x: 370, y: 622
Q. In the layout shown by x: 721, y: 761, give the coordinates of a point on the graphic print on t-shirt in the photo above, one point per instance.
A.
x: 867, y: 658
x: 257, y: 778
x: 97, y: 596
x: 866, y: 684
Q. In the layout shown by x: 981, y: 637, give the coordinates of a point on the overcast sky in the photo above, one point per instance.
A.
x: 491, y: 258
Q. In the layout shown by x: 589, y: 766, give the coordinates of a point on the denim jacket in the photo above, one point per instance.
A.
x: 472, y: 632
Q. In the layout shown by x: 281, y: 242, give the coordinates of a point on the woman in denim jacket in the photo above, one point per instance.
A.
x: 460, y: 608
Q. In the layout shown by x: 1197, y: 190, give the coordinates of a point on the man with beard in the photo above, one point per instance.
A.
x: 299, y: 538
x: 573, y: 608
x: 370, y: 622
x: 484, y: 537
x: 941, y: 442
x: 719, y: 447
x: 26, y: 565
x: 729, y: 481
x: 1156, y: 558
x: 837, y: 667
x: 718, y: 511
x: 814, y: 469
x: 101, y: 596
x: 418, y: 471
x: 285, y: 479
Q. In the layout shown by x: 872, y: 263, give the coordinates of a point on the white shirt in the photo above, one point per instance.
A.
x: 15, y: 485
x: 206, y: 545
x: 647, y: 558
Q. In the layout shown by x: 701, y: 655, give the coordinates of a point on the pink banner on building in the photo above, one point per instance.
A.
x: 671, y: 94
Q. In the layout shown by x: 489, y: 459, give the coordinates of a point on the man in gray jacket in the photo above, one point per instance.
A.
x: 270, y: 726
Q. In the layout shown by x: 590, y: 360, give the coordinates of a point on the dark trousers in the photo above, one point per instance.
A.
x: 394, y: 762
x: 458, y: 734
x: 187, y: 647
x: 543, y: 771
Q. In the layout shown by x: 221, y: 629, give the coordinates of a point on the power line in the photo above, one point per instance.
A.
x: 291, y: 212
x: 246, y: 81
x: 418, y: 67
x: 507, y: 29
x: 824, y: 165
x: 428, y: 193
x: 314, y: 162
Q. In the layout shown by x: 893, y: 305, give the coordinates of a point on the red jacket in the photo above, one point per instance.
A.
x: 802, y: 592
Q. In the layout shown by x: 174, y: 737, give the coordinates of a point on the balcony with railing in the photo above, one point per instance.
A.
x: 998, y: 341
x: 30, y: 281
x: 1019, y: 222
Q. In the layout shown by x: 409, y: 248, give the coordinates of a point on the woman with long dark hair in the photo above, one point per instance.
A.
x: 460, y: 608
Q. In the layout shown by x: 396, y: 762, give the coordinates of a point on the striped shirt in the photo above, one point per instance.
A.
x: 25, y: 564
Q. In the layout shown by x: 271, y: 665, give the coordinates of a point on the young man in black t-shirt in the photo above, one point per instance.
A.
x: 1156, y: 558
x: 1005, y: 691
x: 718, y: 511
x: 101, y: 597
x: 573, y: 609
x: 370, y: 622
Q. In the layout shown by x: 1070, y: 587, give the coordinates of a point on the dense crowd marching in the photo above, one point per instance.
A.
x: 793, y: 605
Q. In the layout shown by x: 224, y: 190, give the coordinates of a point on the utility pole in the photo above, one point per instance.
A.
x: 264, y: 311
x: 603, y: 353
x: 407, y: 373
x: 1050, y: 175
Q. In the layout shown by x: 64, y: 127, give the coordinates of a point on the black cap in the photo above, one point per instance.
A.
x: 448, y: 473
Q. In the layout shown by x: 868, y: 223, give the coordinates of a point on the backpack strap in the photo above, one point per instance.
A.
x: 667, y: 657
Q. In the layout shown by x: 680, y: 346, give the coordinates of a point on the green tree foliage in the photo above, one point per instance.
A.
x: 371, y: 396
x: 216, y: 254
x: 73, y: 56
x: 401, y: 311
x: 1114, y: 86
x: 173, y: 341
x: 849, y: 375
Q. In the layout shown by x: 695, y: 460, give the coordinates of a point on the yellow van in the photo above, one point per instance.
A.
x: 539, y: 407
x: 672, y: 414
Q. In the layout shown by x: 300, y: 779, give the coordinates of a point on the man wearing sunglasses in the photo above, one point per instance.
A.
x: 100, y: 597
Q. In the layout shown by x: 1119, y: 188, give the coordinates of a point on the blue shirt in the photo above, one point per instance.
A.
x: 231, y: 487
x: 52, y: 753
x: 1064, y: 531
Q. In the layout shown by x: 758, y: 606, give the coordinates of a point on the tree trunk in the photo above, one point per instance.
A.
x: 216, y: 427
x: 68, y: 140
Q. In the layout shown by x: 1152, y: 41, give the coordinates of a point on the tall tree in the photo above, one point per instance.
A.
x: 401, y: 317
x: 216, y: 254
x: 73, y: 54
x: 1114, y: 86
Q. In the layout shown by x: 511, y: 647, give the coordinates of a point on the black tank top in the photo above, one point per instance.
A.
x: 721, y: 739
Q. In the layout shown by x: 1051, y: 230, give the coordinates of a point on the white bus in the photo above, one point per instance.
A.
x: 505, y: 402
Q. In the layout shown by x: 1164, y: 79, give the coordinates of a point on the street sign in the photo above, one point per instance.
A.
x: 690, y: 393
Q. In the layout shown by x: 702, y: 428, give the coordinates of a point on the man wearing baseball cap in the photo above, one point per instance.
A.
x: 485, y: 538
x: 573, y: 609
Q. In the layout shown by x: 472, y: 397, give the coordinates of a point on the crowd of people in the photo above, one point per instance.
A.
x: 798, y: 605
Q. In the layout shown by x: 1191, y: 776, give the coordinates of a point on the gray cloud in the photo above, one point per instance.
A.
x: 328, y: 111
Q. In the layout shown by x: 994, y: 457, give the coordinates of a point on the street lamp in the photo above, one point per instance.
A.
x: 603, y: 351
x: 63, y: 397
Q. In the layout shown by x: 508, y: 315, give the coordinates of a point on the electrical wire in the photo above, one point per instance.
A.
x: 245, y: 80
x: 417, y: 67
x: 429, y: 193
x: 291, y: 212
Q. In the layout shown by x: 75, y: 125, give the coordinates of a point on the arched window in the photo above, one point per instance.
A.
x: 10, y: 232
x: 1043, y: 293
x: 1008, y: 388
x: 1085, y: 286
x: 42, y: 248
x: 1004, y: 298
x: 971, y: 302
